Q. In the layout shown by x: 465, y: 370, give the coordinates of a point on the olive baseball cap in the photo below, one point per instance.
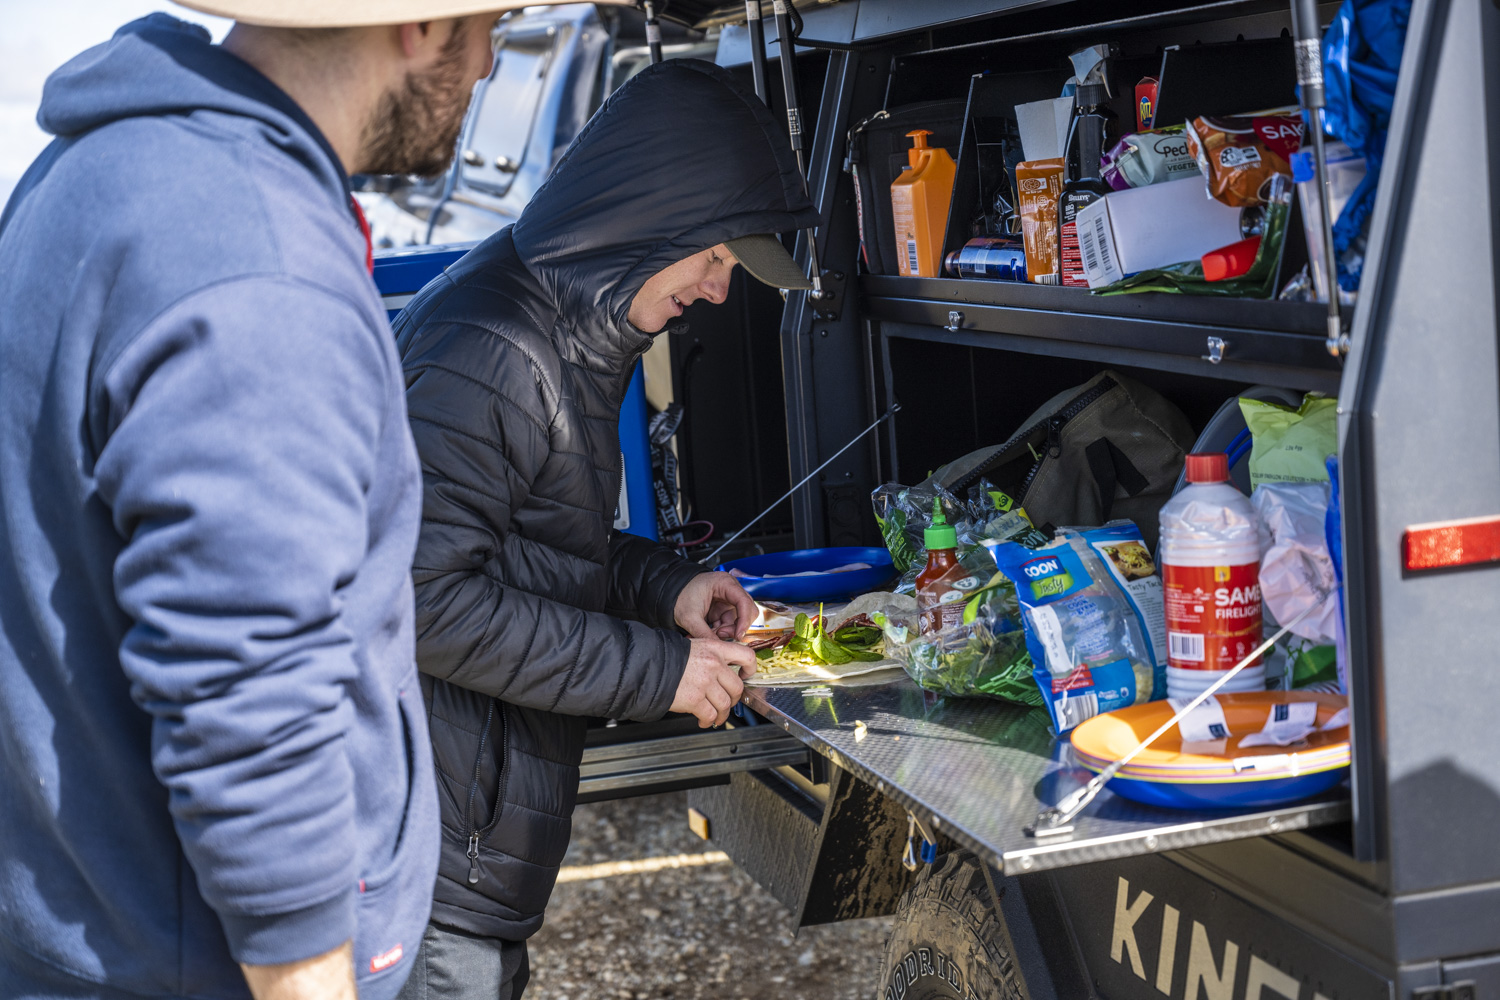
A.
x: 767, y: 261
x: 356, y: 13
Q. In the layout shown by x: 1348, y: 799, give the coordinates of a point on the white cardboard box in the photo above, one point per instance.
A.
x: 1044, y: 127
x: 1141, y: 228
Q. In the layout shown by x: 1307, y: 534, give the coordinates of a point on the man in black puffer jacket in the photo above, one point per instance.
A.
x: 531, y: 614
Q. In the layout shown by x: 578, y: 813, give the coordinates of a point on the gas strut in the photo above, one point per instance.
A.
x: 757, y: 49
x: 794, y: 126
x: 653, y: 31
x: 1314, y: 98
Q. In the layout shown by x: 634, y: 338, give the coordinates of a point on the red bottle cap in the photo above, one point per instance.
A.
x: 1231, y: 261
x: 1208, y: 467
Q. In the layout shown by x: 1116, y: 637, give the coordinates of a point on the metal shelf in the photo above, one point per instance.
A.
x: 1280, y: 343
x: 979, y: 771
x: 635, y: 760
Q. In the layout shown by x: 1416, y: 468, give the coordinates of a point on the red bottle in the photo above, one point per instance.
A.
x: 940, y: 599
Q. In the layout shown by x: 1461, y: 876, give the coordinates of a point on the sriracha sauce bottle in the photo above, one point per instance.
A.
x: 940, y: 601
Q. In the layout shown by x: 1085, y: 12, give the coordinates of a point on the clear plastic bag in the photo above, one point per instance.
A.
x: 983, y: 657
x: 1085, y: 637
x: 1295, y: 568
x: 904, y: 512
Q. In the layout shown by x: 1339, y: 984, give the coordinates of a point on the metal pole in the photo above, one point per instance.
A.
x: 757, y: 49
x: 1309, y: 41
x: 890, y: 412
x: 794, y: 126
x: 653, y: 31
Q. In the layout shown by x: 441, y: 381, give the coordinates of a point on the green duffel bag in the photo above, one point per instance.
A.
x: 1109, y: 448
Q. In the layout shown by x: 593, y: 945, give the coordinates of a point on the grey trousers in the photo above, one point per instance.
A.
x: 452, y: 965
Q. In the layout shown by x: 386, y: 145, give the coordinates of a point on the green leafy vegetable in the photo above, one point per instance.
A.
x: 851, y: 643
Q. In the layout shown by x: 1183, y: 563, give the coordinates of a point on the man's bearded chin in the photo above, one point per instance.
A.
x: 415, y: 127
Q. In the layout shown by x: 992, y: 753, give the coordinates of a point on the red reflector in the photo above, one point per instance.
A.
x: 1441, y: 544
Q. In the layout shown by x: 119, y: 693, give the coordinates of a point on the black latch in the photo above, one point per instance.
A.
x: 827, y: 308
x: 1447, y: 991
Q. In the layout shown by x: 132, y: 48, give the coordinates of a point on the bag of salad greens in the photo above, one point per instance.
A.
x: 984, y: 656
x: 905, y: 512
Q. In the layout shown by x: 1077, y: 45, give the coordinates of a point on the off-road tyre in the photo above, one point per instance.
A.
x: 949, y: 942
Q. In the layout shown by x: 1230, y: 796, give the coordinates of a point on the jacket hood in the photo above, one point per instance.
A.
x: 159, y: 66
x: 679, y: 159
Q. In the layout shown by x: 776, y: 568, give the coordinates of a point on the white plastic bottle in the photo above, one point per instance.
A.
x: 1210, y: 566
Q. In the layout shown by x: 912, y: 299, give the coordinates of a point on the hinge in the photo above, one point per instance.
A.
x: 1447, y: 991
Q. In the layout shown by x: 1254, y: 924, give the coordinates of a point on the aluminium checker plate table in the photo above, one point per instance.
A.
x: 979, y: 771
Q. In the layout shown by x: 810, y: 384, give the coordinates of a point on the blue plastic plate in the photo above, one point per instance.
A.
x: 1227, y: 794
x: 821, y: 587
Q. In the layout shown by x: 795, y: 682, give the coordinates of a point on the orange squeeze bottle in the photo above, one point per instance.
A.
x: 919, y: 206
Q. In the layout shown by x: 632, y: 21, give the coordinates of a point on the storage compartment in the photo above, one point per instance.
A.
x: 943, y: 418
x: 1234, y: 64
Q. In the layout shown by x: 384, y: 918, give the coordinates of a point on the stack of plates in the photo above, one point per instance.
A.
x: 1220, y: 772
x: 813, y: 574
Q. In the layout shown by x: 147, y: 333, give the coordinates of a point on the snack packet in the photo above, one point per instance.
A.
x: 1144, y: 158
x: 1089, y: 652
x: 1038, y: 184
x: 1122, y: 551
x: 1239, y: 156
x: 1290, y: 445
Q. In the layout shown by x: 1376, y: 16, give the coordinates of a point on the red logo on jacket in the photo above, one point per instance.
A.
x: 385, y: 960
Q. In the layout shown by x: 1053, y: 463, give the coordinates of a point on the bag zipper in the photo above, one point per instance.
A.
x: 474, y: 831
x: 1054, y: 426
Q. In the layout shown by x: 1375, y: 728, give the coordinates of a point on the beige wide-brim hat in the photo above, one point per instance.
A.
x: 356, y: 13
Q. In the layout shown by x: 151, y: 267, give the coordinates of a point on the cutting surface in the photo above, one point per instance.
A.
x: 980, y: 771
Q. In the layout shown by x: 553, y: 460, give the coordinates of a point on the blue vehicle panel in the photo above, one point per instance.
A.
x: 400, y: 274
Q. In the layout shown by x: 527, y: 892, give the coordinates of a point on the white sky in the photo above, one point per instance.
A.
x: 38, y: 37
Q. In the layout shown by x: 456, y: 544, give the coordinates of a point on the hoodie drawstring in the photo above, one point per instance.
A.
x: 364, y: 227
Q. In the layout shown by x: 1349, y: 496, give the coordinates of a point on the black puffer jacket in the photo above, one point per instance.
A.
x: 516, y: 361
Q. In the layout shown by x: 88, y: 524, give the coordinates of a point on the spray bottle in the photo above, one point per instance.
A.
x: 1082, y: 185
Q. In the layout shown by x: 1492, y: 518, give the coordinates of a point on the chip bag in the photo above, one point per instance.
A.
x: 1290, y: 446
x: 1144, y: 158
x: 1239, y: 156
x: 1084, y: 634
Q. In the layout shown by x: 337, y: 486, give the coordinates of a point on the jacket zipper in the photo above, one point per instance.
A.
x: 1054, y: 425
x: 484, y: 736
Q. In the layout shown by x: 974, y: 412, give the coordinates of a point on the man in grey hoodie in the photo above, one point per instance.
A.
x: 214, y: 763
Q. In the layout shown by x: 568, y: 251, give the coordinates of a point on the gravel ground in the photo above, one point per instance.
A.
x: 699, y: 932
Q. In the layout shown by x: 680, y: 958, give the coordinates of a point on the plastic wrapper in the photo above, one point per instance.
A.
x: 1361, y: 57
x: 905, y: 512
x: 1123, y: 552
x: 1239, y: 156
x: 1296, y: 570
x: 1088, y: 649
x: 1038, y: 183
x: 1290, y: 445
x: 986, y: 656
x: 1144, y: 158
